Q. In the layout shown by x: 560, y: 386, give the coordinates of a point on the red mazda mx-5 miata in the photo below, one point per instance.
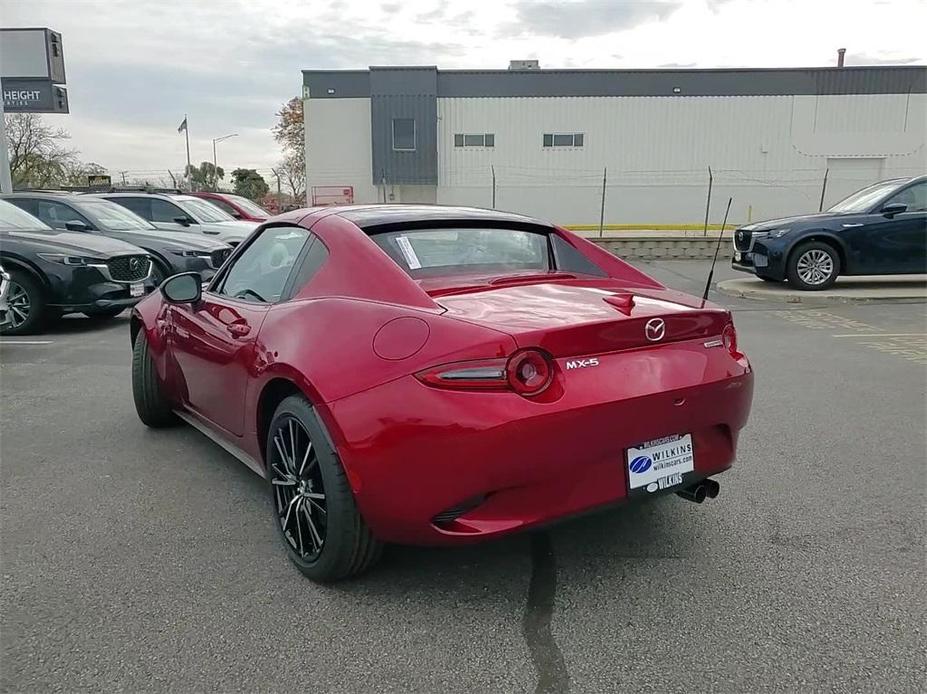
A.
x: 439, y: 375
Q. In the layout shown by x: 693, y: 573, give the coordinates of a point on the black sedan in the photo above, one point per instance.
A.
x: 171, y: 253
x: 52, y: 273
x: 879, y: 230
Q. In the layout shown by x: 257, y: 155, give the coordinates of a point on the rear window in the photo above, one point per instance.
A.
x: 427, y: 252
x: 464, y: 250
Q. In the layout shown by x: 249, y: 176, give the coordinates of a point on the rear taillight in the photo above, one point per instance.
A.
x: 527, y: 372
x: 729, y: 338
x: 488, y: 374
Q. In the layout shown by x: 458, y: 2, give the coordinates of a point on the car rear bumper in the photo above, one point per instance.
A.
x: 447, y: 467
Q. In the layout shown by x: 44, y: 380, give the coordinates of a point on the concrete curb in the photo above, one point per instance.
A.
x: 848, y: 290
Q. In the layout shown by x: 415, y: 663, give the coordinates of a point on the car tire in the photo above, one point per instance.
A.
x: 152, y: 407
x: 105, y: 313
x: 813, y: 266
x: 26, y: 299
x: 323, y: 532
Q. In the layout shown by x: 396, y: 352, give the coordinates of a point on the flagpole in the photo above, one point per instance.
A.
x: 186, y: 132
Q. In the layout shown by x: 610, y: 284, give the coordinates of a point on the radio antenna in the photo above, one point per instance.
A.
x: 711, y: 272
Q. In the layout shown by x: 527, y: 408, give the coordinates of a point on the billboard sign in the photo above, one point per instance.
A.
x: 33, y: 96
x: 32, y: 53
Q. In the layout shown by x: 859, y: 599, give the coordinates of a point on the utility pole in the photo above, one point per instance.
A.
x: 215, y: 163
x: 823, y: 187
x: 123, y: 173
x: 276, y: 173
x: 6, y: 183
x: 493, y: 170
x: 602, y: 211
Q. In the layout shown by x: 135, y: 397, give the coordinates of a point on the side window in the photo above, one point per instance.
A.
x: 569, y: 259
x: 915, y: 197
x: 56, y: 215
x: 140, y: 206
x: 313, y: 260
x: 260, y: 273
x: 25, y: 205
x: 224, y: 206
x: 164, y: 211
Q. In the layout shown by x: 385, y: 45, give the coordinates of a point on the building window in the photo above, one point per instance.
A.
x: 563, y: 139
x: 404, y: 134
x: 478, y: 140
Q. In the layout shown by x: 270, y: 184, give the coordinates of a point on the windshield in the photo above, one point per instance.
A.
x: 863, y: 200
x: 249, y: 206
x: 433, y: 252
x: 11, y: 217
x: 203, y: 211
x: 113, y: 217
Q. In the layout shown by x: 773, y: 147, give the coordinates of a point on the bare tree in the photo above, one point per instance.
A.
x: 37, y: 156
x: 292, y: 171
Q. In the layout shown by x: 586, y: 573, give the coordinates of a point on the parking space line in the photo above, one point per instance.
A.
x: 883, y: 335
x: 26, y: 342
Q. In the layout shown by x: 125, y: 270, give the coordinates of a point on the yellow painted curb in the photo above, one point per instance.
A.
x: 648, y: 227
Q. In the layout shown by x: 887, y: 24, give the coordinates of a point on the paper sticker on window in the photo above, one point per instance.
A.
x: 408, y: 253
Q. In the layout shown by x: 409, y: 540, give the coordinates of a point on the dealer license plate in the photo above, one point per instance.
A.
x: 136, y: 289
x: 660, y: 464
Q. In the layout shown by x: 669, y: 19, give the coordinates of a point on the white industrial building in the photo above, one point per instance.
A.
x: 547, y: 137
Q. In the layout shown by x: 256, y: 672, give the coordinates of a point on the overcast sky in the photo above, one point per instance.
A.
x: 134, y: 67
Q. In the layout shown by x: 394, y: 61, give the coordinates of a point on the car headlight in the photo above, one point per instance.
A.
x: 191, y: 254
x: 73, y: 260
x: 776, y: 233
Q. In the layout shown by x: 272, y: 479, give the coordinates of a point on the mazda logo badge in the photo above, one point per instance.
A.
x: 655, y: 329
x: 135, y: 264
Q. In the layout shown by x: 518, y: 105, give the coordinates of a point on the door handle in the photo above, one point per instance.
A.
x: 238, y: 329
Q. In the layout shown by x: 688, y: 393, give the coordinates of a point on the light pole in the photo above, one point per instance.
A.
x: 215, y: 164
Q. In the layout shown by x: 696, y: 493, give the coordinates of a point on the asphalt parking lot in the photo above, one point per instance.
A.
x: 141, y: 560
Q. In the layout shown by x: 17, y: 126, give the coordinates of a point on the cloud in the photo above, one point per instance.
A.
x: 134, y: 68
x: 878, y: 59
x: 580, y: 18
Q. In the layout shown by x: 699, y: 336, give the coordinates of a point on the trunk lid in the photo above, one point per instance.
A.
x: 575, y: 319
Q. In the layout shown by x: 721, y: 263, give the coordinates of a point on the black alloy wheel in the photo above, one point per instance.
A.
x: 313, y: 505
x: 26, y: 305
x: 299, y: 490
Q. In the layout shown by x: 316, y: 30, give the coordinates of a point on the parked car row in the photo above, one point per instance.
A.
x: 63, y: 253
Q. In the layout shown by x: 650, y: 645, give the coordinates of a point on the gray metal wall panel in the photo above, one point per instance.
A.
x: 404, y: 93
x: 813, y: 81
x: 345, y: 84
x: 736, y: 82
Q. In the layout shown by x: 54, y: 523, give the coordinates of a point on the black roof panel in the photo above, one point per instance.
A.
x: 377, y: 215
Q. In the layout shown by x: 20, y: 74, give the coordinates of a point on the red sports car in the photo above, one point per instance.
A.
x: 440, y: 375
x: 238, y: 206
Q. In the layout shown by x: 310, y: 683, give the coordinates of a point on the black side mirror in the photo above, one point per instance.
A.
x: 894, y: 208
x: 75, y: 225
x: 236, y: 214
x: 185, y: 288
x: 183, y: 221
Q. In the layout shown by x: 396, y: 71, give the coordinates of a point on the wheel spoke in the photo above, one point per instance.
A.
x: 299, y: 529
x: 313, y: 531
x: 292, y: 444
x: 313, y: 502
x: 305, y: 458
x: 284, y: 483
x: 315, y: 495
x: 289, y: 509
x: 278, y: 444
